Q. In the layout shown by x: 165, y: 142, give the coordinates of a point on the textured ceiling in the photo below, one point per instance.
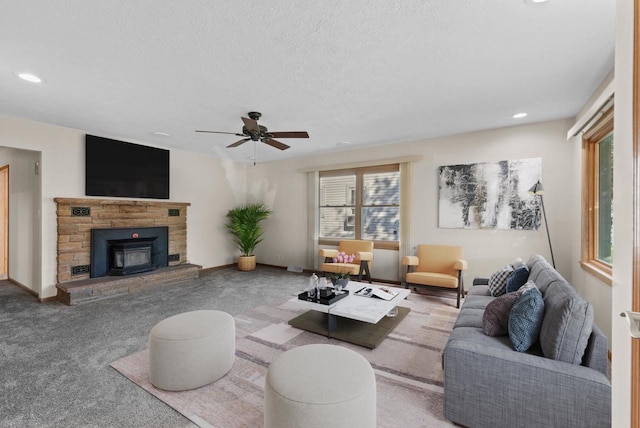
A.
x: 366, y: 72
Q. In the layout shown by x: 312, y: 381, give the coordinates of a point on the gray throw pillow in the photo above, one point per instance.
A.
x: 498, y: 281
x: 495, y: 319
x: 525, y: 320
x: 567, y: 324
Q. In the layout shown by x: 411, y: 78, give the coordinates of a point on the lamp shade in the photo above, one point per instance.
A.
x: 537, y: 189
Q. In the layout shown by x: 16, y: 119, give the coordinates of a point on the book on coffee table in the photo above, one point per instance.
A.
x: 379, y: 292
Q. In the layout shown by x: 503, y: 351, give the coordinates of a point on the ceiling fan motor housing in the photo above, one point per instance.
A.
x: 255, y: 135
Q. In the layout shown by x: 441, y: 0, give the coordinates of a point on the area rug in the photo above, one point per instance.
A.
x: 407, y: 364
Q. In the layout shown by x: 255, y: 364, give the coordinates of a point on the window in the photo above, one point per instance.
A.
x: 360, y: 203
x: 597, y: 217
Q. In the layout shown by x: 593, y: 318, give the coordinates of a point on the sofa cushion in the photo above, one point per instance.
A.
x: 469, y: 317
x: 495, y: 320
x: 543, y: 274
x: 479, y: 290
x: 525, y: 320
x: 567, y: 324
x: 498, y: 281
x: 517, y: 278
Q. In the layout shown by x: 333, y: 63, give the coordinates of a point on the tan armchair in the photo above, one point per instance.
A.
x: 436, y: 266
x: 363, y: 252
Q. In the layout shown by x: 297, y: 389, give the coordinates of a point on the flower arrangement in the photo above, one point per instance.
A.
x: 342, y: 257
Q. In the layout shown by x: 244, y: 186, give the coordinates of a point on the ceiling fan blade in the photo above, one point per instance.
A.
x: 251, y: 124
x: 276, y: 144
x: 237, y: 143
x: 290, y: 134
x: 220, y: 132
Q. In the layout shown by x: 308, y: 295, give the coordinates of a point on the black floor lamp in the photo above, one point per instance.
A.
x: 538, y: 190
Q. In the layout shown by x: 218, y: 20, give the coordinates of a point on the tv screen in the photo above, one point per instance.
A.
x: 116, y: 168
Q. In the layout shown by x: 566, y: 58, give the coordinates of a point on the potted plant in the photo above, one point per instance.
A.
x: 244, y: 224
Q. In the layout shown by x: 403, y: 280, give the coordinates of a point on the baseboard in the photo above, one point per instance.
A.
x: 210, y: 270
x: 24, y: 287
x: 30, y: 291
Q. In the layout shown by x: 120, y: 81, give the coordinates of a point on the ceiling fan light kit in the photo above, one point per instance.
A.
x: 252, y: 131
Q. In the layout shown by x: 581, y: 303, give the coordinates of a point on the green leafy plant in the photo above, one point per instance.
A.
x: 244, y: 224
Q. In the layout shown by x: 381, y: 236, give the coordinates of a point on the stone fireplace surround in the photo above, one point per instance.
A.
x: 77, y: 217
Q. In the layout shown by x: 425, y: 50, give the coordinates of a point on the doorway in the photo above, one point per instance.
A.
x: 4, y: 222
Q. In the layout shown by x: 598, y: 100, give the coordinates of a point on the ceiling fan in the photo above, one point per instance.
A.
x: 254, y: 132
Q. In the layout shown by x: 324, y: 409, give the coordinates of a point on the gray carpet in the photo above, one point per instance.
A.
x: 54, y: 359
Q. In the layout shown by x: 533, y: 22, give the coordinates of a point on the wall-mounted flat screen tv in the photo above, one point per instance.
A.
x: 120, y: 169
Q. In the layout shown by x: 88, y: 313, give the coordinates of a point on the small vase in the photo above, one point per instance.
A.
x: 339, y: 284
x: 342, y: 282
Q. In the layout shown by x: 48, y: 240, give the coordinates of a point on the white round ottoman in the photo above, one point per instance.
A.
x: 192, y: 349
x: 320, y: 386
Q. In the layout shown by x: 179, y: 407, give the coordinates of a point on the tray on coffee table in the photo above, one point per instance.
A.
x: 329, y: 300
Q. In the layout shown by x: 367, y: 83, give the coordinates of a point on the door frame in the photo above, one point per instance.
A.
x: 4, y: 220
x: 635, y: 344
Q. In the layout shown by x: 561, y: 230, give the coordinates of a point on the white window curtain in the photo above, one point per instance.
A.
x: 313, y: 183
x: 406, y: 190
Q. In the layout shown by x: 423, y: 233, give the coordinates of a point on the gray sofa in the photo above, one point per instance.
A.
x: 489, y: 384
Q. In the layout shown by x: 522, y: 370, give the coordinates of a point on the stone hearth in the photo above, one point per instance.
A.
x: 76, y: 219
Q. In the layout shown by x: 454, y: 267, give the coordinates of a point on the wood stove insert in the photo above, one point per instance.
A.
x: 125, y: 251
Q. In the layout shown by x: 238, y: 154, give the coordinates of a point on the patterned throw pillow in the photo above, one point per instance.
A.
x: 517, y: 279
x: 495, y: 320
x: 498, y: 281
x: 525, y: 320
x: 526, y: 287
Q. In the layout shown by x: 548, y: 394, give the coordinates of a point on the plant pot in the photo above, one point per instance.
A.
x: 340, y: 282
x: 246, y: 263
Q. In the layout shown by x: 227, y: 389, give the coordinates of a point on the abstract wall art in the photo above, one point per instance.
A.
x: 490, y: 195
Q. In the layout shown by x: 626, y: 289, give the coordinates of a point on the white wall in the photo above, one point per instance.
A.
x: 623, y: 219
x: 211, y: 185
x: 286, y: 233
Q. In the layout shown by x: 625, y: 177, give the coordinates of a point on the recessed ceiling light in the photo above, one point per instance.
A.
x: 30, y: 77
x: 539, y: 1
x: 343, y: 143
x: 519, y: 115
x: 160, y: 134
x: 253, y: 158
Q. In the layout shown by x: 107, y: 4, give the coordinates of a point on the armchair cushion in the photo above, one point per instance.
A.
x: 438, y: 258
x: 432, y: 278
